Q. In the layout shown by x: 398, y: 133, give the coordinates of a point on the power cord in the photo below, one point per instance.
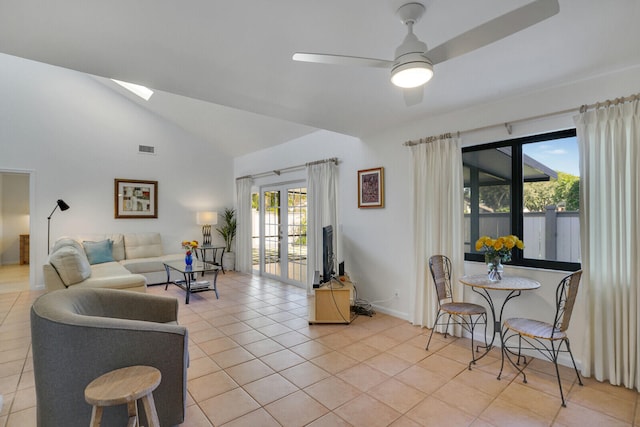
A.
x: 361, y: 306
x: 335, y: 303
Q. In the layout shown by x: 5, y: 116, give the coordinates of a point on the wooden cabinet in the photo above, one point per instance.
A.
x: 24, y: 249
x: 332, y: 302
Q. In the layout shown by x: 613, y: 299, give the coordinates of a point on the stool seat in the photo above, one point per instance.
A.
x: 125, y: 386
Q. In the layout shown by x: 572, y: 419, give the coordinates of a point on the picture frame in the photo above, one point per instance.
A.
x: 371, y: 188
x: 135, y: 198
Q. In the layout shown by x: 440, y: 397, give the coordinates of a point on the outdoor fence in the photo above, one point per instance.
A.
x: 551, y: 235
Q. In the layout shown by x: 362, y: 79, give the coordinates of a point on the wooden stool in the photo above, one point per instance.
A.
x: 125, y: 385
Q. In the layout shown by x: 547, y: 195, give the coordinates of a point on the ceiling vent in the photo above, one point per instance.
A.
x: 146, y: 149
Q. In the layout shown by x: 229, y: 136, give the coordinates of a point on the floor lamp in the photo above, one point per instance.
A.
x: 63, y: 207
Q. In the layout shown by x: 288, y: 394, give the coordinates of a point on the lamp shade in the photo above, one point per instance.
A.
x: 207, y: 218
x: 62, y: 205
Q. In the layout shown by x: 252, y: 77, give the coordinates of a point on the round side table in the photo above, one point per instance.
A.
x: 125, y: 385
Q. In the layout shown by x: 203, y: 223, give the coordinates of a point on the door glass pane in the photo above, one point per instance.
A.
x: 487, y: 194
x: 272, y: 230
x: 255, y: 230
x: 551, y: 200
x: 297, y: 234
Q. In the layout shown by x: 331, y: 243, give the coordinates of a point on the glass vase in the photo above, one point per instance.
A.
x: 188, y: 259
x: 495, y: 269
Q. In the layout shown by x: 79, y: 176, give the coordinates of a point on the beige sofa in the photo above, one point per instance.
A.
x: 121, y: 261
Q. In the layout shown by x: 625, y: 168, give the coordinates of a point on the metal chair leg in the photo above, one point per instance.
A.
x: 446, y: 330
x: 503, y: 349
x: 473, y: 327
x: 473, y: 356
x: 575, y: 368
x: 433, y: 329
x: 555, y: 353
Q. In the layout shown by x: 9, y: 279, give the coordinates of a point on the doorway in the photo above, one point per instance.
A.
x: 15, y: 200
x: 283, y: 232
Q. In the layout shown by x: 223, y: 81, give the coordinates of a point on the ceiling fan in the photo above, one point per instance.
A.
x: 413, y: 63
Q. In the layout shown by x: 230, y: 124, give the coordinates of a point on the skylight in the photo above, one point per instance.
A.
x: 142, y: 91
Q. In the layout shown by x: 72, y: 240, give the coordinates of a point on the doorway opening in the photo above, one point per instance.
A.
x: 15, y: 253
x: 280, y: 232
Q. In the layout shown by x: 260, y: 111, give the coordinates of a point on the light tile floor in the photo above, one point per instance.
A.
x: 255, y: 361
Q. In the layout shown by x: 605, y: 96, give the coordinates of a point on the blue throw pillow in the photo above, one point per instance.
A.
x: 99, y: 252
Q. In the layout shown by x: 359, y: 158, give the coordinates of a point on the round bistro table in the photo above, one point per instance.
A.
x: 481, y: 285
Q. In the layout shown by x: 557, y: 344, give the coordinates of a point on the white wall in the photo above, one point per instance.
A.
x: 75, y: 136
x: 2, y: 244
x: 14, y: 215
x: 378, y: 242
x: 317, y: 146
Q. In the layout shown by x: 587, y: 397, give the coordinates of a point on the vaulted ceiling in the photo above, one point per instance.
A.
x: 223, y: 70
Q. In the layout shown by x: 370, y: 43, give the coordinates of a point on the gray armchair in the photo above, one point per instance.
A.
x: 79, y: 334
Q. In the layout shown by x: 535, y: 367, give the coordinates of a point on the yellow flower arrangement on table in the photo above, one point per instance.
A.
x: 497, y: 251
x: 189, y: 245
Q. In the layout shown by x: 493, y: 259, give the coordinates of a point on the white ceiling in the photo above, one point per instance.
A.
x: 224, y: 72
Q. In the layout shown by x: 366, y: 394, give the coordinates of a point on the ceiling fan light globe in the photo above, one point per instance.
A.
x: 411, y: 75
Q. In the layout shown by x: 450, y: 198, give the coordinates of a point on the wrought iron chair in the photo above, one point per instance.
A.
x: 467, y: 315
x: 546, y: 338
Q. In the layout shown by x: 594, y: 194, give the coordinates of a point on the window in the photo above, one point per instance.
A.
x: 528, y: 187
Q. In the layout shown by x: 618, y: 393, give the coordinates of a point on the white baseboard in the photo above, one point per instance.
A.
x: 391, y: 312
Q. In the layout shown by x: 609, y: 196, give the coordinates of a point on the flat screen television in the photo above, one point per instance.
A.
x: 327, y: 254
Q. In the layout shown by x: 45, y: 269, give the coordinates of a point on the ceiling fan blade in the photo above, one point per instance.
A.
x: 494, y: 30
x: 413, y: 96
x: 325, y: 58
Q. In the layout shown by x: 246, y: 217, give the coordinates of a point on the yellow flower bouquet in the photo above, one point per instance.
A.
x: 189, y: 245
x: 497, y: 251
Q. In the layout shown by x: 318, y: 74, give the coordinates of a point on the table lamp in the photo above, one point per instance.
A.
x: 63, y: 207
x: 206, y: 219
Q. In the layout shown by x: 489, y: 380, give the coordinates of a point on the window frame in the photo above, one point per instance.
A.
x: 517, y: 190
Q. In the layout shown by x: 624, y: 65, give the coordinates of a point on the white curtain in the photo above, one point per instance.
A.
x: 437, y: 222
x: 322, y: 210
x: 609, y: 143
x: 244, y: 261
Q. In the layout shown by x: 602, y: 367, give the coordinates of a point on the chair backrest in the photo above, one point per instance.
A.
x: 440, y: 267
x: 566, y: 293
x: 78, y: 334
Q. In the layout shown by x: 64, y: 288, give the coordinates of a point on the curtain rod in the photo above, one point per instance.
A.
x: 608, y: 102
x: 508, y: 125
x: 289, y: 169
x: 431, y: 139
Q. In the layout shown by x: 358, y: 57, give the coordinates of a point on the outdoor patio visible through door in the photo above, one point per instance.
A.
x: 282, y: 248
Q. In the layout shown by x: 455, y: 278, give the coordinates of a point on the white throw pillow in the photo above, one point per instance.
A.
x: 72, y: 265
x: 67, y: 241
x: 118, y: 246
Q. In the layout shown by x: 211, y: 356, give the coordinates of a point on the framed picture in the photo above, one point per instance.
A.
x: 371, y: 188
x: 136, y: 199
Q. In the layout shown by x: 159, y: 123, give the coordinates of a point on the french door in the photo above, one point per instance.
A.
x: 283, y: 232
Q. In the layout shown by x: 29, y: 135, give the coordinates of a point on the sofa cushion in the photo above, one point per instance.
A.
x: 118, y: 246
x: 117, y: 250
x: 143, y: 265
x: 142, y: 245
x: 67, y: 241
x: 71, y: 264
x: 108, y: 269
x: 115, y: 276
x: 99, y: 252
